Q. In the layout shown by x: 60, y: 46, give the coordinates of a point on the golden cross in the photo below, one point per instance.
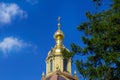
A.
x: 59, y: 22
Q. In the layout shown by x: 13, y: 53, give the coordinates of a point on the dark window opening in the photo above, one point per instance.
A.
x: 65, y: 62
x: 51, y: 65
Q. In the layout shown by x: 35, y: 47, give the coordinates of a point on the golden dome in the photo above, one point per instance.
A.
x: 59, y: 35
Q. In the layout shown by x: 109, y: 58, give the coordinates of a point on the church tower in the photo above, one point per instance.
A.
x: 58, y: 68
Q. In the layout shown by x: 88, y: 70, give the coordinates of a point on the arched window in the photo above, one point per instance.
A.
x: 65, y: 62
x: 51, y: 65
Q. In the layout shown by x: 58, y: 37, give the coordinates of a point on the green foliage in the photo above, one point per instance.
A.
x: 69, y: 54
x: 102, y: 42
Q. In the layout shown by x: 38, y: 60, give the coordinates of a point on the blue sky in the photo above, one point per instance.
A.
x: 26, y: 33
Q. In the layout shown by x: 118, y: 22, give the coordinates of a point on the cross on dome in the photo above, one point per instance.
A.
x: 59, y: 22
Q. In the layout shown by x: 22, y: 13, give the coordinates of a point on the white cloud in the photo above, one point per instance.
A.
x: 10, y: 43
x: 8, y: 11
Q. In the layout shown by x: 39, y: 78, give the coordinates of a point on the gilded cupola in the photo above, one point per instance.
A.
x: 59, y: 35
x: 57, y: 67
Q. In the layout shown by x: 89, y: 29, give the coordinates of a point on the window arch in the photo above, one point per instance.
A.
x: 51, y: 65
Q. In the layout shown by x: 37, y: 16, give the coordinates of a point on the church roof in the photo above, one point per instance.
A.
x: 58, y: 75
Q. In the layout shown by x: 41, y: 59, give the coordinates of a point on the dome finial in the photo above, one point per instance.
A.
x: 59, y: 22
